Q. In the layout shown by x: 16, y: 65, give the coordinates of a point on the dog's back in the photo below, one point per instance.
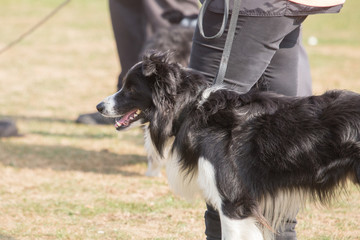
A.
x: 272, y: 134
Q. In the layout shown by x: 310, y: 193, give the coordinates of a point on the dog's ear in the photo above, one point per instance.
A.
x: 153, y: 62
x: 158, y: 67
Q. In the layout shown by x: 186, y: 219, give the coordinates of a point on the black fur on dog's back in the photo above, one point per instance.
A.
x: 314, y: 139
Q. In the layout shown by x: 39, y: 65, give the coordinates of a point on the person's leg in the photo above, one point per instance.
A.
x: 304, y: 73
x: 212, y: 224
x: 129, y: 27
x: 256, y: 42
x: 289, y: 68
x: 288, y: 233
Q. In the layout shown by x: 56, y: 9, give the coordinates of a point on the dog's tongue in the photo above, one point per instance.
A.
x: 125, y: 118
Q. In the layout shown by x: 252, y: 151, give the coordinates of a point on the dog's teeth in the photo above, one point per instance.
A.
x: 138, y: 112
x: 131, y: 118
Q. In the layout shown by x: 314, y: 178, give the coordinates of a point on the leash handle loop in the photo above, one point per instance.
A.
x: 228, y: 43
x: 223, y: 24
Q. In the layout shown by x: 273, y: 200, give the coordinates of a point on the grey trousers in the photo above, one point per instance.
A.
x: 264, y: 47
x: 268, y: 47
x: 133, y: 21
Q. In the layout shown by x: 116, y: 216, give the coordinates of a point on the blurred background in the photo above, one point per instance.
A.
x: 62, y: 180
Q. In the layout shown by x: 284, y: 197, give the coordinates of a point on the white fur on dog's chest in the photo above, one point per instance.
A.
x: 199, y: 182
x: 181, y: 183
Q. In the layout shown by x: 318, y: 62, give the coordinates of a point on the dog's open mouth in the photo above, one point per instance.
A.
x: 127, y: 119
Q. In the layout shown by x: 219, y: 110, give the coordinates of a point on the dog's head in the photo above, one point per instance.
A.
x: 148, y: 93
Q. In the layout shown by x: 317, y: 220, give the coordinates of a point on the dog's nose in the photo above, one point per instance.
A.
x: 100, y: 107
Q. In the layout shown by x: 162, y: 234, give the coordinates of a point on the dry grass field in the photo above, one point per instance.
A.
x: 61, y: 180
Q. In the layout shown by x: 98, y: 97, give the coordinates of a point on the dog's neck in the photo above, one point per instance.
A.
x: 190, y: 97
x: 180, y: 118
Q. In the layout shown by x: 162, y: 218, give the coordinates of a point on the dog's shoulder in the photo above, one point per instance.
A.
x: 221, y: 103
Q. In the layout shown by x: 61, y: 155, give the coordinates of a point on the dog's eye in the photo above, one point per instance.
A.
x: 132, y: 90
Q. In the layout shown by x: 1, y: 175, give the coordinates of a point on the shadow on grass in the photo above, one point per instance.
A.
x: 4, y: 237
x: 66, y: 158
x: 74, y: 135
x: 86, y: 131
x: 38, y: 119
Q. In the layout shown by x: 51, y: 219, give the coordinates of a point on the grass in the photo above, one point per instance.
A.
x: 67, y: 181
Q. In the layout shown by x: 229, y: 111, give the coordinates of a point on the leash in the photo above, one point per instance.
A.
x: 33, y: 28
x: 229, y: 38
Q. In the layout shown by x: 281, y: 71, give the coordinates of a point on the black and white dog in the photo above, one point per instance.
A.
x: 255, y: 157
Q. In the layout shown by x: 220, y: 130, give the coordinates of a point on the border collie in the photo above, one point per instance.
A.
x: 255, y: 157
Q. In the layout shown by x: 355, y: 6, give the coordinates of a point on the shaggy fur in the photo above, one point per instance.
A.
x: 178, y: 39
x: 255, y: 156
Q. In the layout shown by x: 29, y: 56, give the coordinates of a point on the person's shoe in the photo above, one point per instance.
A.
x: 94, y: 118
x: 8, y: 128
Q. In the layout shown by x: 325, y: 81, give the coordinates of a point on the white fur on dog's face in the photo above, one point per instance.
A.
x: 109, y: 103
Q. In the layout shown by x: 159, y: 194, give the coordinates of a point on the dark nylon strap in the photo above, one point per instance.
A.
x: 229, y: 38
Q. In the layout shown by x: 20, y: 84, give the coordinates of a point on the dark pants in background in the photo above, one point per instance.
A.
x: 134, y: 21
